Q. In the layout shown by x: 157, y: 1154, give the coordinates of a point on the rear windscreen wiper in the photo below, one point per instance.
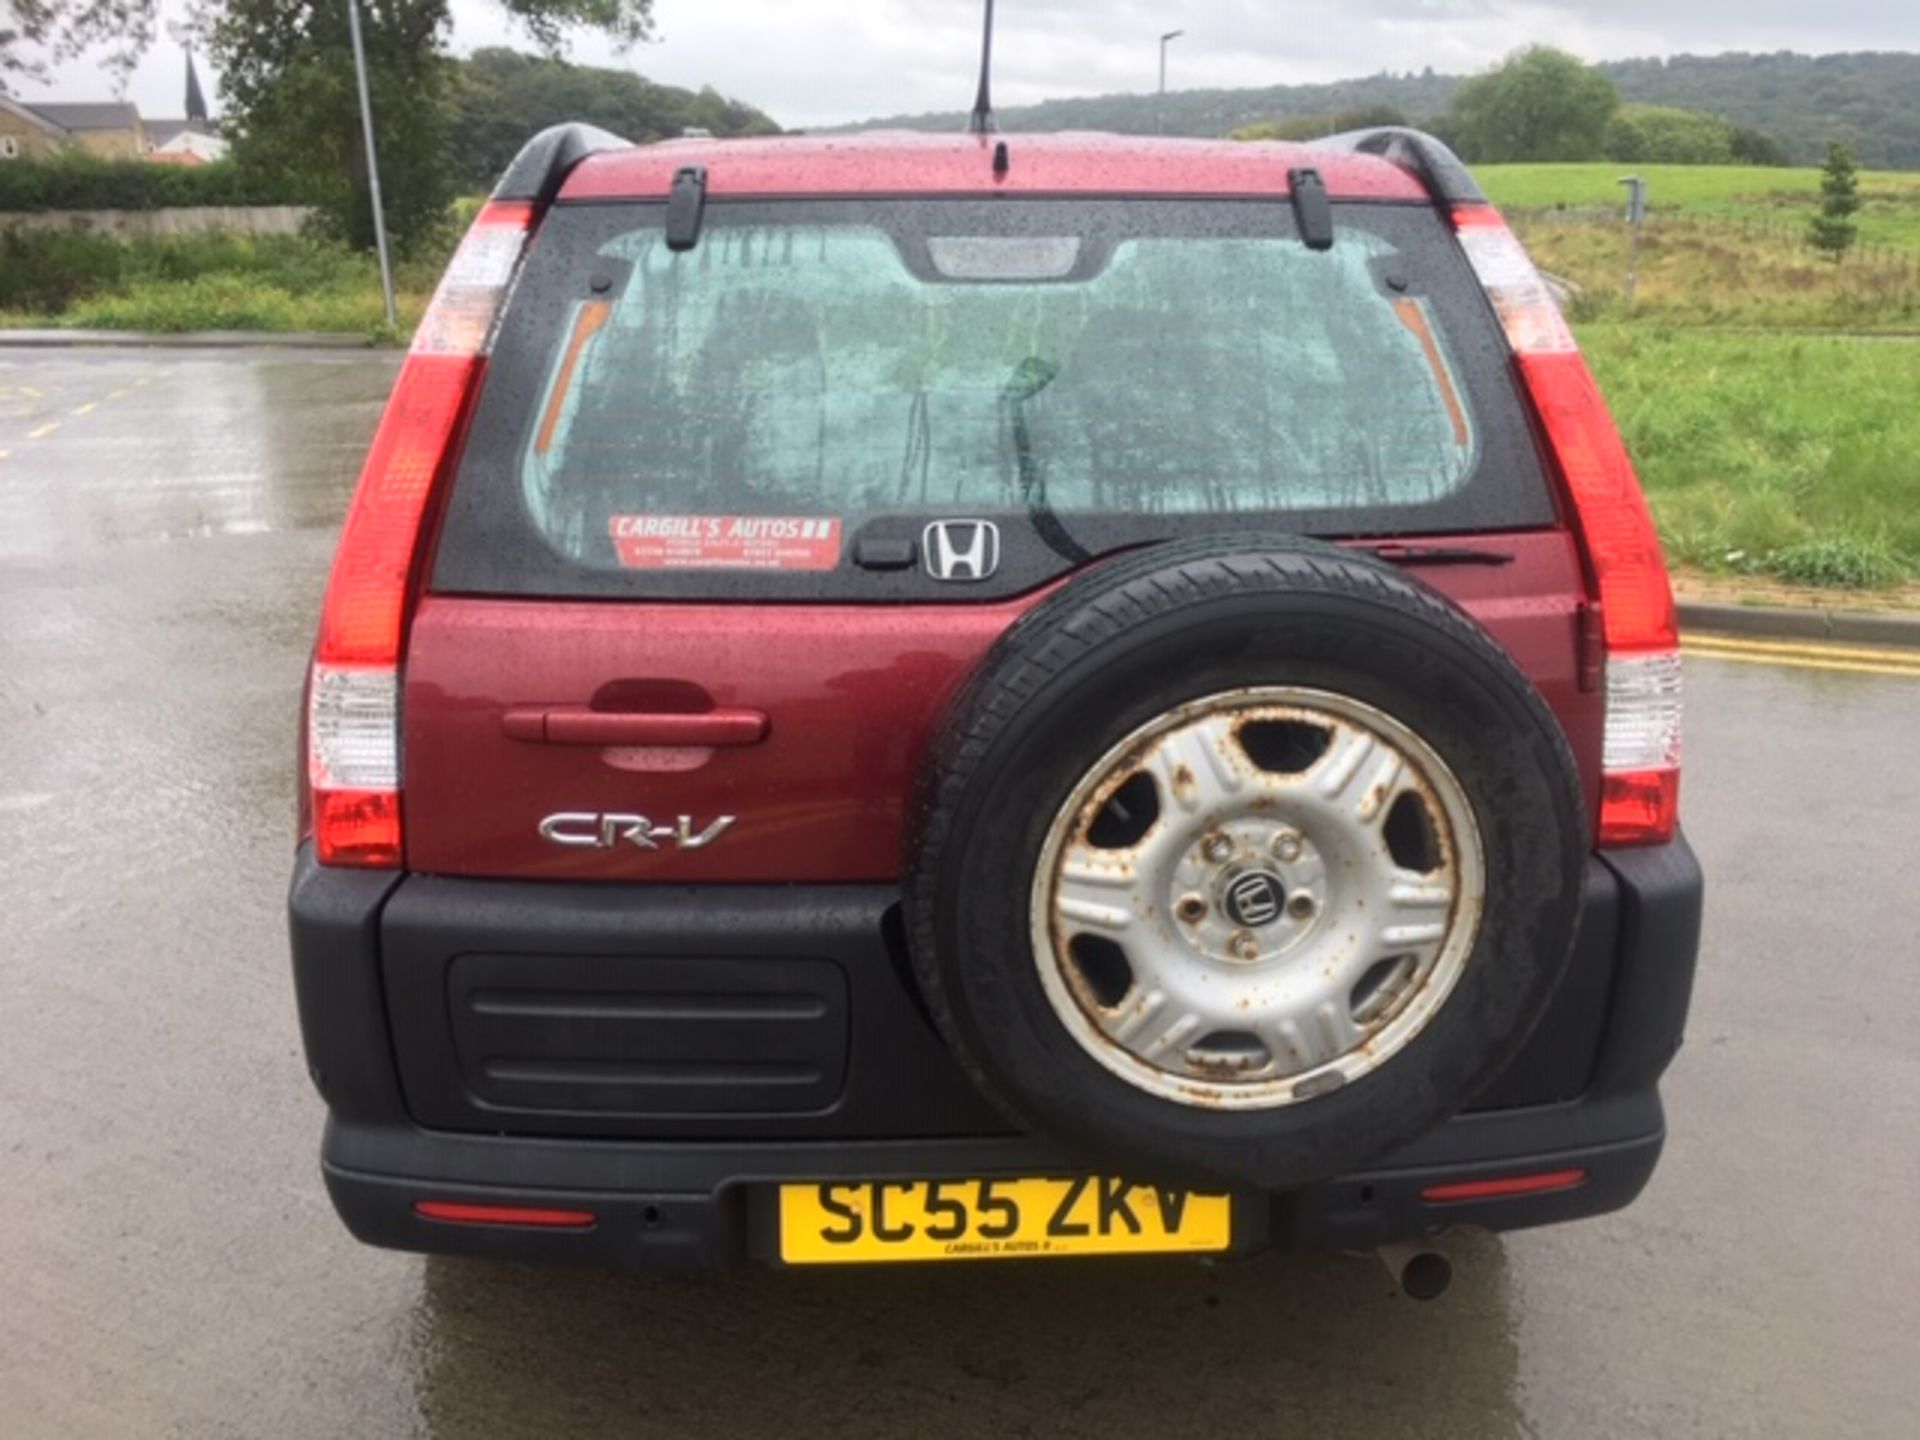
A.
x: 1031, y: 377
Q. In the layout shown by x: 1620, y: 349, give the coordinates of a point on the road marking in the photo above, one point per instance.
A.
x: 44, y: 431
x: 1808, y: 649
x: 1909, y: 670
x: 86, y: 409
x: 4, y: 454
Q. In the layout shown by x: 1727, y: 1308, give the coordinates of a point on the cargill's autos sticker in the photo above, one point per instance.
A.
x: 725, y: 542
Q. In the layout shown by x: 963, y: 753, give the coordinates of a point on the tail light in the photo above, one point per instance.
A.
x: 1640, y: 787
x: 353, y: 692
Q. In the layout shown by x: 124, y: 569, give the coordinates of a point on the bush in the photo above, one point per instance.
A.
x: 1755, y: 147
x: 1313, y: 127
x: 75, y: 180
x: 214, y: 282
x: 1660, y: 135
x: 1840, y: 562
x: 48, y: 271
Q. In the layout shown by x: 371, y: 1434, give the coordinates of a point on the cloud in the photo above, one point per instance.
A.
x: 811, y: 62
x: 821, y: 61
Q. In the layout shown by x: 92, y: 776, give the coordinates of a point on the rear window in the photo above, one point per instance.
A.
x: 785, y: 408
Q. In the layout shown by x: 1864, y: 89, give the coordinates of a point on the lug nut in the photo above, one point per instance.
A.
x: 1192, y: 909
x: 1218, y: 849
x: 1245, y: 947
x: 1300, y: 907
x: 1286, y: 846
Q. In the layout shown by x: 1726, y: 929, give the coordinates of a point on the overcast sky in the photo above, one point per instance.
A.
x: 811, y: 62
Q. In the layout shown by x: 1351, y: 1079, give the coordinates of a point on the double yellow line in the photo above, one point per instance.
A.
x: 1805, y: 655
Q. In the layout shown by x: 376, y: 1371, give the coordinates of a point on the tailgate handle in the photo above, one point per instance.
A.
x: 570, y: 725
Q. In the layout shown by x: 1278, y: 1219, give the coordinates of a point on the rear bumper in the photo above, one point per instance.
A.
x: 700, y: 1191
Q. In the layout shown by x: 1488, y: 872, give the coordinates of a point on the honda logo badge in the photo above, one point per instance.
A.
x: 962, y: 551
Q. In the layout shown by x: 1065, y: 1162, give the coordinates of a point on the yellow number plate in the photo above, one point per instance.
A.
x: 874, y: 1223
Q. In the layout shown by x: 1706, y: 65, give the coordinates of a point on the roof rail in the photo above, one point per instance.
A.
x: 543, y: 163
x: 1429, y: 158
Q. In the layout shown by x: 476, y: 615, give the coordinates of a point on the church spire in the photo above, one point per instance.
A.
x: 196, y: 98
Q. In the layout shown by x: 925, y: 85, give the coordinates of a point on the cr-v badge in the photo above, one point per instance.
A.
x: 578, y: 831
x: 962, y: 551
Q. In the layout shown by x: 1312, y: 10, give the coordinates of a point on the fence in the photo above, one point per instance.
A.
x: 1891, y: 271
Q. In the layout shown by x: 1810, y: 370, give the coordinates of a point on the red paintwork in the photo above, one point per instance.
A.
x: 853, y: 693
x: 899, y: 163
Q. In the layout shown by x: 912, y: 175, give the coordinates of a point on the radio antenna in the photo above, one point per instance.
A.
x: 982, y: 121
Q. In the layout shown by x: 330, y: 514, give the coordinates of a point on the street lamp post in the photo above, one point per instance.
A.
x: 373, y: 164
x: 1160, y: 110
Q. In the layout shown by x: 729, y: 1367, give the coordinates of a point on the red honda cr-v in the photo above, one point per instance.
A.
x: 900, y: 698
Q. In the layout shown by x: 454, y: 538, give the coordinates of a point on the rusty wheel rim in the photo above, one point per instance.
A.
x: 1257, y: 898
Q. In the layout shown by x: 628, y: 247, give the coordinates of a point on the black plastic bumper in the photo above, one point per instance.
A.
x: 375, y: 960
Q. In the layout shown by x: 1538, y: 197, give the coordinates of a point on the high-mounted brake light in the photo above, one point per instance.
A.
x: 1640, y: 788
x: 353, y: 694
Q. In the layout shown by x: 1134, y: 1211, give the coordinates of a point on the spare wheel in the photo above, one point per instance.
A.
x: 1243, y: 860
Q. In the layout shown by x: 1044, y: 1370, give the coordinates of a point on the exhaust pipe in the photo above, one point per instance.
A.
x: 1421, y: 1272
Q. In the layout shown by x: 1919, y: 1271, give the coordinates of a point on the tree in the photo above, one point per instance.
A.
x: 33, y: 31
x: 501, y: 96
x: 1540, y: 104
x: 1664, y: 135
x: 1314, y: 127
x: 1833, y: 230
x: 293, y: 105
x: 1756, y: 147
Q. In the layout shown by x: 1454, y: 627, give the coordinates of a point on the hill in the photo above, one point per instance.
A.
x: 1802, y: 101
x: 502, y: 96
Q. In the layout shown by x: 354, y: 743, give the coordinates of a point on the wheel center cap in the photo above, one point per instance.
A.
x: 1255, y: 899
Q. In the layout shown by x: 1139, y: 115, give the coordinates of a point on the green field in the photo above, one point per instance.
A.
x: 1768, y: 394
x: 1710, y: 192
x: 1793, y: 457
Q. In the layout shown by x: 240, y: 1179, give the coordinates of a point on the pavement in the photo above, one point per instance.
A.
x: 172, y: 1267
x: 1831, y: 622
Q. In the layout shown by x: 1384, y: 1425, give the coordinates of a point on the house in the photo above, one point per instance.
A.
x: 27, y: 135
x: 194, y: 140
x: 111, y: 129
x: 185, y: 142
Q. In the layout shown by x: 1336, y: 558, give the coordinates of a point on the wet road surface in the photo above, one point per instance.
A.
x: 171, y: 1266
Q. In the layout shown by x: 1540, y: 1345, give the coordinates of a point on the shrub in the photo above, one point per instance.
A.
x: 1839, y: 562
x: 75, y: 180
x: 1662, y: 135
x: 218, y: 282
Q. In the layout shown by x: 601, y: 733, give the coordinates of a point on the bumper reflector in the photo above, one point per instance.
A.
x: 529, y: 1217
x: 1505, y: 1188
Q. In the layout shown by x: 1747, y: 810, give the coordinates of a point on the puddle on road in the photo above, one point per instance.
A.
x: 149, y: 449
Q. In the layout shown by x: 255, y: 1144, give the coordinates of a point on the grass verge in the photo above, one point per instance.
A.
x: 1792, y: 457
x: 204, y: 282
